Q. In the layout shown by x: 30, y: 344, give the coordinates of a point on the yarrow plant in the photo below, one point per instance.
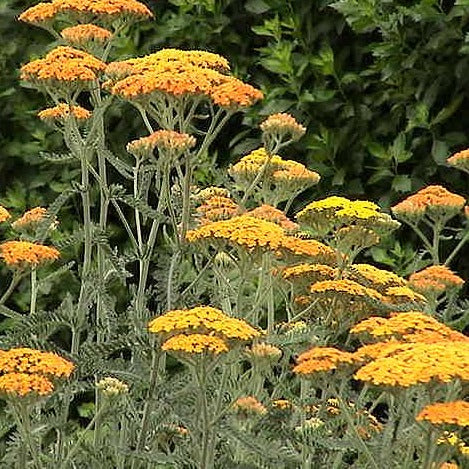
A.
x: 211, y: 318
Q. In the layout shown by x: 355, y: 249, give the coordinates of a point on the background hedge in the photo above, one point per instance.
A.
x: 382, y: 85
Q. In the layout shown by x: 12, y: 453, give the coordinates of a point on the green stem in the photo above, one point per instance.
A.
x: 13, y: 284
x: 32, y: 307
x: 24, y: 422
x: 457, y: 248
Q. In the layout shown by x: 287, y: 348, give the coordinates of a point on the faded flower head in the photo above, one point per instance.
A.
x: 249, y: 405
x: 110, y: 386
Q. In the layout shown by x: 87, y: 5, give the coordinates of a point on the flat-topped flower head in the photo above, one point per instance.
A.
x: 204, y: 320
x: 217, y: 208
x: 61, y: 112
x: 195, y: 344
x: 32, y: 361
x: 370, y: 276
x: 22, y: 254
x: 446, y: 413
x: 166, y: 141
x: 404, y: 296
x: 23, y: 385
x: 370, y: 352
x: 42, y: 14
x: 65, y: 68
x: 248, y: 406
x: 4, y: 214
x: 435, y: 202
x: 32, y: 219
x: 308, y: 250
x: 294, y: 177
x: 460, y: 160
x: 233, y: 93
x: 282, y: 126
x: 83, y: 35
x: 419, y: 363
x: 209, y: 192
x: 435, y: 280
x: 309, y: 273
x: 274, y: 215
x: 248, y: 167
x: 407, y: 327
x: 344, y: 287
x: 110, y: 386
x: 264, y: 352
x: 322, y: 359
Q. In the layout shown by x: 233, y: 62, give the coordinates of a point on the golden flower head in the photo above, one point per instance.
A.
x: 373, y: 277
x: 283, y: 125
x: 308, y: 273
x: 30, y: 219
x: 86, y: 34
x: 446, y: 413
x: 249, y: 405
x: 205, y: 320
x: 41, y: 14
x: 435, y: 279
x: 419, y: 363
x: 195, y: 344
x: 404, y: 296
x: 167, y: 141
x: 436, y: 202
x: 309, y: 250
x: 209, y: 192
x: 408, y: 327
x: 460, y: 160
x: 377, y: 350
x: 322, y: 359
x: 112, y: 386
x: 32, y: 361
x: 217, y: 208
x: 24, y: 384
x: 282, y: 404
x: 233, y: 93
x: 4, y: 214
x: 263, y: 351
x: 23, y: 253
x: 62, y: 112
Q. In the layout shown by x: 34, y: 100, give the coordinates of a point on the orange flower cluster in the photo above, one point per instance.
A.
x: 217, y: 208
x: 322, y: 359
x: 25, y: 371
x: 460, y: 160
x: 249, y: 405
x: 23, y: 384
x: 433, y: 201
x: 195, y: 344
x: 281, y: 125
x: 4, y: 214
x: 65, y: 65
x: 419, y: 363
x: 165, y: 140
x: 446, y: 413
x: 233, y: 93
x: 274, y: 215
x: 307, y: 249
x: 377, y: 350
x: 435, y: 279
x: 412, y: 326
x: 84, y: 34
x: 109, y: 10
x: 343, y: 287
x: 23, y: 253
x: 30, y: 218
x: 309, y: 273
x: 64, y: 111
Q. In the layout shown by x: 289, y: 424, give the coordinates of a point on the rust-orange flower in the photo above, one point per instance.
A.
x: 24, y: 384
x: 24, y: 253
x: 63, y: 111
x: 446, y: 413
x: 435, y: 279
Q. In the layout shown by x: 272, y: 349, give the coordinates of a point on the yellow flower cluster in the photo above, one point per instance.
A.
x: 373, y: 277
x: 107, y: 11
x: 195, y: 344
x: 209, y: 192
x: 4, y: 214
x: 334, y: 213
x: 23, y: 253
x: 419, y: 363
x: 453, y: 439
x: 412, y: 326
x: 217, y: 208
x: 347, y: 288
x: 446, y: 413
x: 403, y: 295
x: 435, y: 279
x: 322, y: 359
x: 202, y: 320
x: 63, y: 111
x: 309, y: 273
